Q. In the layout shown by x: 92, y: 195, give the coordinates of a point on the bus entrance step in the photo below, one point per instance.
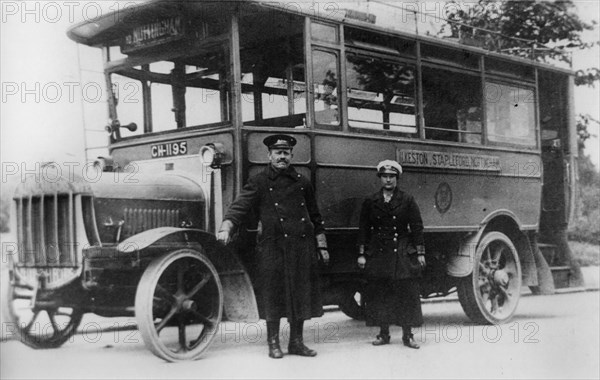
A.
x: 561, y: 276
x: 548, y: 251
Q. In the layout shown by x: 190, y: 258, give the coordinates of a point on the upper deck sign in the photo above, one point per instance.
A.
x: 154, y: 33
x: 448, y: 160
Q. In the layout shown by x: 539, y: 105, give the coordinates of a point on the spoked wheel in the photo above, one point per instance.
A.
x: 178, y: 305
x: 491, y: 293
x: 351, y: 302
x: 38, y: 323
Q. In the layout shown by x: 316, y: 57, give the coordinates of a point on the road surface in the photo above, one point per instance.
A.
x: 550, y: 337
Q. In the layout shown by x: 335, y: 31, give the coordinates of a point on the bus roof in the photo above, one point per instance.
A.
x: 110, y: 28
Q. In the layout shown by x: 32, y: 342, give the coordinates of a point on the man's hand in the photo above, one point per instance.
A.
x: 421, y: 255
x: 223, y: 237
x: 361, y: 261
x: 322, y: 247
x: 224, y: 234
x: 324, y: 256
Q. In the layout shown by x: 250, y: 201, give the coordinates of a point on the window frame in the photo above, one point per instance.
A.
x: 520, y: 84
x: 461, y: 70
x: 394, y: 59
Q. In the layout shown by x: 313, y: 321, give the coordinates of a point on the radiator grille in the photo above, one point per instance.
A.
x: 47, y: 230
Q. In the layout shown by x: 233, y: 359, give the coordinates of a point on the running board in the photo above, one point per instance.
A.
x: 561, y: 274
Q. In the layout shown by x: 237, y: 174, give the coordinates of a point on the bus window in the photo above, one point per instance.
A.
x: 452, y: 106
x: 273, y: 75
x: 446, y: 56
x: 128, y: 94
x: 381, y: 94
x: 363, y: 39
x: 324, y: 32
x: 325, y: 86
x: 510, y: 114
x: 182, y: 92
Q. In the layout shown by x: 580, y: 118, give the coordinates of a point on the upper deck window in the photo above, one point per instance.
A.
x: 325, y: 87
x: 381, y: 94
x: 510, y: 114
x: 448, y: 56
x: 511, y: 69
x: 272, y: 70
x: 452, y: 104
x: 324, y: 32
x: 364, y: 39
x: 181, y: 92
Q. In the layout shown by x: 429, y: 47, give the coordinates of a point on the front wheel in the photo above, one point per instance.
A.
x: 491, y: 293
x: 178, y: 305
x: 39, y: 323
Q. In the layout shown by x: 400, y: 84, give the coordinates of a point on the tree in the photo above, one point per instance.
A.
x: 547, y: 29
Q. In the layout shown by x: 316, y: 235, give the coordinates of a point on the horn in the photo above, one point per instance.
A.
x: 131, y: 126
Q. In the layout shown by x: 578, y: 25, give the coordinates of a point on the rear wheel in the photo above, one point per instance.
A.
x: 491, y: 293
x: 178, y: 305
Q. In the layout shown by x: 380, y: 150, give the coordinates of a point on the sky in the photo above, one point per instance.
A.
x: 51, y: 86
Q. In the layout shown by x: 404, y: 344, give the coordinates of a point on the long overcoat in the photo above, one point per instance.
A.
x: 384, y: 230
x: 391, y: 231
x: 287, y: 275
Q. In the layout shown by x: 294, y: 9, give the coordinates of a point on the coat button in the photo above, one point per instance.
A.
x: 395, y: 239
x: 303, y: 235
x: 395, y: 250
x: 302, y: 204
x: 394, y: 217
x: 303, y: 219
x: 394, y: 226
x: 270, y: 189
x: 281, y: 219
x: 285, y: 235
x: 302, y: 188
x: 396, y: 234
x: 276, y: 204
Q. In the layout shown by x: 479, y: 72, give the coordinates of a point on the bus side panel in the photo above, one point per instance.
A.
x: 449, y: 199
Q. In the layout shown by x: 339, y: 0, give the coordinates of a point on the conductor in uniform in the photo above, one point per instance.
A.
x: 392, y: 252
x: 291, y: 234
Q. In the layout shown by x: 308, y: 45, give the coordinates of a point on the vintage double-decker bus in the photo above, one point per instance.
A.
x: 486, y: 139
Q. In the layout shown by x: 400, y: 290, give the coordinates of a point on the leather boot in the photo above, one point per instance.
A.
x: 381, y: 340
x: 296, y: 345
x: 273, y: 340
x: 408, y: 338
x: 383, y: 337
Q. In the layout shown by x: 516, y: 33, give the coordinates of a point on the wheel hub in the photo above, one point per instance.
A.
x: 500, y: 278
x: 188, y: 305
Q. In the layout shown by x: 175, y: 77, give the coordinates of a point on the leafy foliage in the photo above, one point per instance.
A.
x: 542, y: 30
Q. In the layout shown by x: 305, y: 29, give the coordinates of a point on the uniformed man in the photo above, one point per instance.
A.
x: 292, y: 231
